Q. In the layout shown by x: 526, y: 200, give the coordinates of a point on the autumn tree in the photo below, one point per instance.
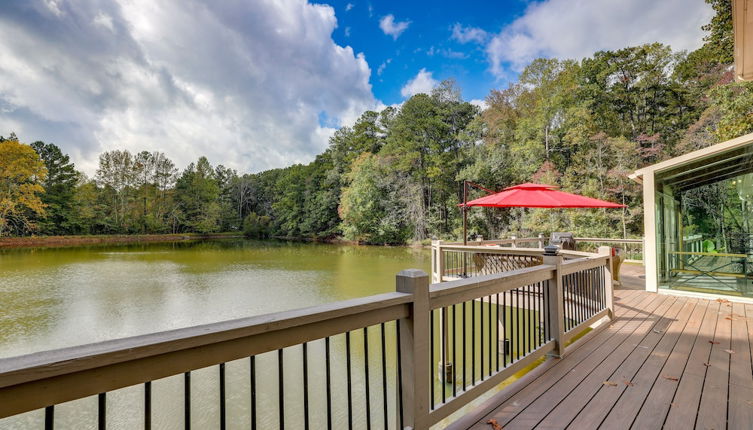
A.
x: 21, y: 175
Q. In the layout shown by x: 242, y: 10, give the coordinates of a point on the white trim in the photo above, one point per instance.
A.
x: 707, y: 296
x: 695, y: 155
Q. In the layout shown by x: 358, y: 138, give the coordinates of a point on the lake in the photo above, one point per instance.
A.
x: 58, y: 297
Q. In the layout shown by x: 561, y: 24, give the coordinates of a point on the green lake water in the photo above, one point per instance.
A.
x: 59, y: 297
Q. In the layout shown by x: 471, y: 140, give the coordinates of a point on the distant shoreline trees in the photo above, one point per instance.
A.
x: 395, y: 176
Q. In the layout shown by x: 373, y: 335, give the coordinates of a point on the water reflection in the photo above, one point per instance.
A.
x: 53, y: 298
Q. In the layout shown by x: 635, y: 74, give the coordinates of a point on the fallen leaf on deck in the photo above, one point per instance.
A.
x: 729, y: 351
x: 671, y: 378
x: 658, y: 331
x: 609, y: 383
x: 713, y: 342
x: 722, y: 300
x: 628, y: 383
x: 495, y: 425
x: 707, y: 364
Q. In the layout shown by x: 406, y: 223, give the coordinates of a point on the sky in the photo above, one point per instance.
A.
x: 260, y: 84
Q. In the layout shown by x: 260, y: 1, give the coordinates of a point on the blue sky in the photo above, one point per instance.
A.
x: 426, y: 43
x: 260, y: 84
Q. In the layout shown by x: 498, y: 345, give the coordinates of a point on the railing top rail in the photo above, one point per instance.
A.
x: 607, y: 240
x: 460, y: 290
x: 493, y: 249
x: 516, y: 251
x: 572, y: 266
x: 494, y: 241
x: 48, y: 364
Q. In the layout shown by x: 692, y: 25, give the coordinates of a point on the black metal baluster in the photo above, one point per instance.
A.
x: 481, y: 338
x: 187, y: 400
x: 399, y: 375
x: 102, y: 411
x: 579, y: 286
x: 222, y: 396
x: 305, y: 386
x: 526, y: 321
x: 532, y: 317
x: 49, y: 417
x: 473, y: 342
x: 496, y: 344
x: 252, y: 377
x: 465, y: 356
x: 540, y: 307
x: 366, y: 376
x: 443, y: 353
x: 454, y: 361
x: 504, y: 329
x: 548, y: 317
x: 329, y: 382
x: 384, y: 378
x: 349, y: 379
x: 517, y: 324
x: 566, y: 298
x: 490, y: 336
x: 281, y: 388
x: 148, y: 405
x: 431, y: 353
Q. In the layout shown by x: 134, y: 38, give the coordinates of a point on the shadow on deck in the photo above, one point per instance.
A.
x: 666, y: 361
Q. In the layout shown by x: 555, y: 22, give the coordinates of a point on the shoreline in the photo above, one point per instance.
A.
x: 64, y: 241
x: 114, y: 239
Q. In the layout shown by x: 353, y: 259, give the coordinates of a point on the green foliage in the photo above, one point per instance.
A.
x: 396, y: 175
x: 59, y: 190
x: 256, y: 227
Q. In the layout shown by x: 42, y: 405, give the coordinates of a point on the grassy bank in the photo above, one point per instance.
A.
x: 37, y: 241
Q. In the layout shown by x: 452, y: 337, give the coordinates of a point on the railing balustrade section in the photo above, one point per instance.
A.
x: 405, y: 359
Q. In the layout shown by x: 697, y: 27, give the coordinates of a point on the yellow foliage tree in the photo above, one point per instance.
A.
x: 21, y: 174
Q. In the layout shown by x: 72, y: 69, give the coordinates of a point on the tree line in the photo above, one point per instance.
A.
x: 396, y: 176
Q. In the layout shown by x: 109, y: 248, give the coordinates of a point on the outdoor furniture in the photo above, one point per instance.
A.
x: 563, y: 240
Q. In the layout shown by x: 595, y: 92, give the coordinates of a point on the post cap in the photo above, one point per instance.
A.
x: 551, y: 250
x: 412, y: 273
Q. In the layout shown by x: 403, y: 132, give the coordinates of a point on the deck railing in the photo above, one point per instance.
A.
x: 405, y: 359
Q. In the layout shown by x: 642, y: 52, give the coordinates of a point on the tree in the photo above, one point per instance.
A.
x: 256, y: 227
x: 197, y: 193
x: 21, y: 175
x: 59, y: 190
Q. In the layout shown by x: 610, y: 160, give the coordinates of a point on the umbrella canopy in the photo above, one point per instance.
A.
x: 539, y: 196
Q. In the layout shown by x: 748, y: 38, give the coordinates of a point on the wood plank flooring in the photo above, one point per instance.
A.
x: 665, y: 362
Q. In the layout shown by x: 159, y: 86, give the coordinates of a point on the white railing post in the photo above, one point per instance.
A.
x: 608, y: 281
x: 541, y: 240
x: 514, y: 243
x: 556, y: 296
x: 415, y: 344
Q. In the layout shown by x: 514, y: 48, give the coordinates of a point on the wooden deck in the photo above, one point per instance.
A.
x: 666, y: 361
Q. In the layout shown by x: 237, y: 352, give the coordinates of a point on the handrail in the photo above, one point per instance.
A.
x: 40, y: 379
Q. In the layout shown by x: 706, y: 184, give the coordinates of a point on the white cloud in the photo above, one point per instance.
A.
x: 393, y: 28
x: 423, y: 82
x: 349, y: 6
x: 383, y: 66
x: 578, y: 28
x: 104, y: 20
x: 468, y: 34
x: 480, y: 103
x: 248, y: 91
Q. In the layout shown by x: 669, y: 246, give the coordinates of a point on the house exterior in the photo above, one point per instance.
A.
x: 698, y: 221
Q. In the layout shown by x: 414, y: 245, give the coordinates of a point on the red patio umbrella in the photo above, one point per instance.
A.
x: 533, y: 196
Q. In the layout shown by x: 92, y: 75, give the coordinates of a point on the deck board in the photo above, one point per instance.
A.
x: 740, y: 406
x: 678, y: 363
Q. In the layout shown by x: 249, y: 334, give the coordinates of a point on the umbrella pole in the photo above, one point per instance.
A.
x: 465, y: 213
